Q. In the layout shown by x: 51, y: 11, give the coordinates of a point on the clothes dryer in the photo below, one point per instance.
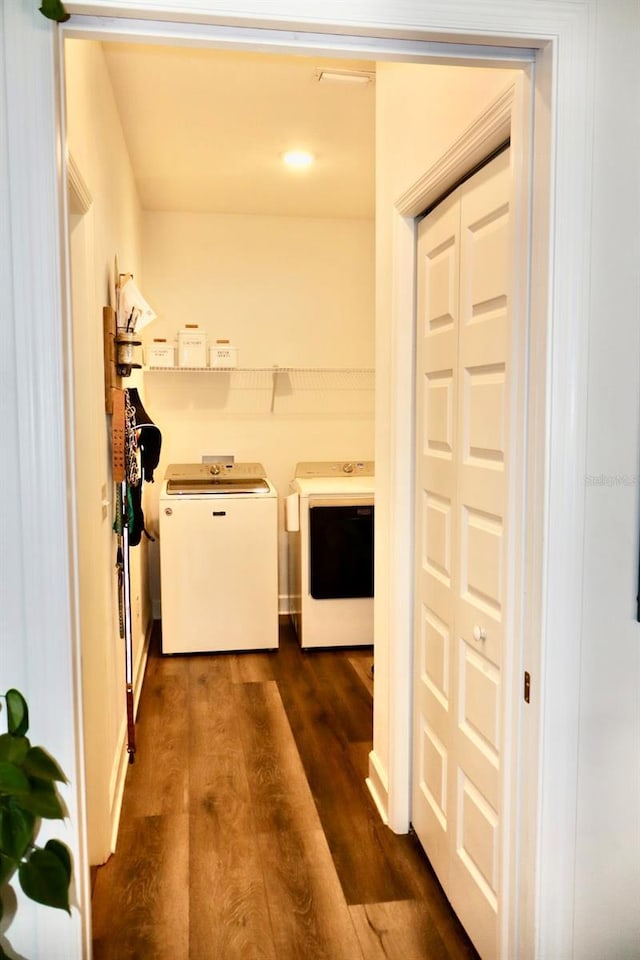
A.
x: 330, y: 520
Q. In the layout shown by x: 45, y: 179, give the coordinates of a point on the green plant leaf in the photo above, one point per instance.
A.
x: 7, y: 867
x: 54, y: 10
x: 44, y: 879
x: 13, y: 749
x: 62, y: 852
x: 12, y: 779
x: 43, y: 800
x: 17, y: 713
x: 38, y: 763
x: 16, y: 828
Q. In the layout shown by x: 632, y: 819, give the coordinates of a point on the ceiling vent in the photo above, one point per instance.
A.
x: 353, y: 78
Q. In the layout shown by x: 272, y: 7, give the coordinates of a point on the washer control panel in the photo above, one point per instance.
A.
x: 188, y: 479
x: 338, y: 468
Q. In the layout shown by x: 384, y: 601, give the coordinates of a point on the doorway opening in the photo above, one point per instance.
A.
x: 292, y: 288
x: 386, y: 667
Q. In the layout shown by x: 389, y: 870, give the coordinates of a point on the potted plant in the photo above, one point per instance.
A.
x: 28, y: 794
x: 54, y: 10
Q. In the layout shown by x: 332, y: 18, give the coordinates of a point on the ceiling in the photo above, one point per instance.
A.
x: 206, y: 130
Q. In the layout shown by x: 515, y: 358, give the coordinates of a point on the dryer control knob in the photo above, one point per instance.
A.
x: 214, y: 469
x: 348, y: 468
x: 168, y: 511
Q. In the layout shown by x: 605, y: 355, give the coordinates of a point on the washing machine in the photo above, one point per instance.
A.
x: 218, y: 558
x: 330, y: 523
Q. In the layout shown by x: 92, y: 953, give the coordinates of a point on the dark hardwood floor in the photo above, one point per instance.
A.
x: 247, y: 829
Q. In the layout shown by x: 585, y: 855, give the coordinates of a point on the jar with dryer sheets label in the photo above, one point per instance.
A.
x: 192, y: 346
x: 222, y: 354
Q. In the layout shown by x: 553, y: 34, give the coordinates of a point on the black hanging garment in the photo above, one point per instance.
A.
x: 145, y: 435
x: 149, y: 438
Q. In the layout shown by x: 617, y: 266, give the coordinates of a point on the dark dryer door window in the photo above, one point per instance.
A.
x: 341, y: 551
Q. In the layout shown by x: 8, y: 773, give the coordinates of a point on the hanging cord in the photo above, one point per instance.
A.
x: 131, y: 443
x: 117, y: 528
x: 128, y: 633
x: 132, y: 474
x: 125, y: 471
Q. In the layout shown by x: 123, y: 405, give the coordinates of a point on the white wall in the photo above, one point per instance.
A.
x: 420, y: 111
x: 289, y: 291
x: 111, y: 227
x: 607, y: 919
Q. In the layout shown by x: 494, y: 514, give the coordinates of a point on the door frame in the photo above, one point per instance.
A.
x: 40, y: 400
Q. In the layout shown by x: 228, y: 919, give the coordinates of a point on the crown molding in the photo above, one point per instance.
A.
x: 80, y: 198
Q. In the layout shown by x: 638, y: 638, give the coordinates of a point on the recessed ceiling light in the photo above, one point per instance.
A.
x: 298, y: 159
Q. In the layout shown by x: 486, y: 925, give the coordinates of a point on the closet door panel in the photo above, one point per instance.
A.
x: 462, y: 456
x: 436, y: 438
x: 481, y: 503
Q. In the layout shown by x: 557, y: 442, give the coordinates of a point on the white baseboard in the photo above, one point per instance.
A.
x: 377, y: 784
x: 284, y: 604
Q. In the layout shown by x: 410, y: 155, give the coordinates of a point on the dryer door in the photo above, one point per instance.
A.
x: 341, y: 550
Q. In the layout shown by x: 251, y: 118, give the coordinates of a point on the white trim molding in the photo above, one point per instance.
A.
x: 377, y: 785
x: 41, y: 531
x: 485, y: 135
x: 39, y: 522
x: 80, y: 198
x: 559, y: 370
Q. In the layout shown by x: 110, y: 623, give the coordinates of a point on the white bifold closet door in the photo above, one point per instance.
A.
x: 462, y: 343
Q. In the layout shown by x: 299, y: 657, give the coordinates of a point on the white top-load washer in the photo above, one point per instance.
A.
x: 330, y: 520
x: 218, y: 558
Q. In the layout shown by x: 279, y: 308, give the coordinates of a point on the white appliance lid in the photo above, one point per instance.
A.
x: 184, y: 479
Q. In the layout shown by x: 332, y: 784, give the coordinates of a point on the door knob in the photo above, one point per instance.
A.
x: 479, y: 633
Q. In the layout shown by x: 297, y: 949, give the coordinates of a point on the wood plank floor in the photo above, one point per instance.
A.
x: 247, y: 829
